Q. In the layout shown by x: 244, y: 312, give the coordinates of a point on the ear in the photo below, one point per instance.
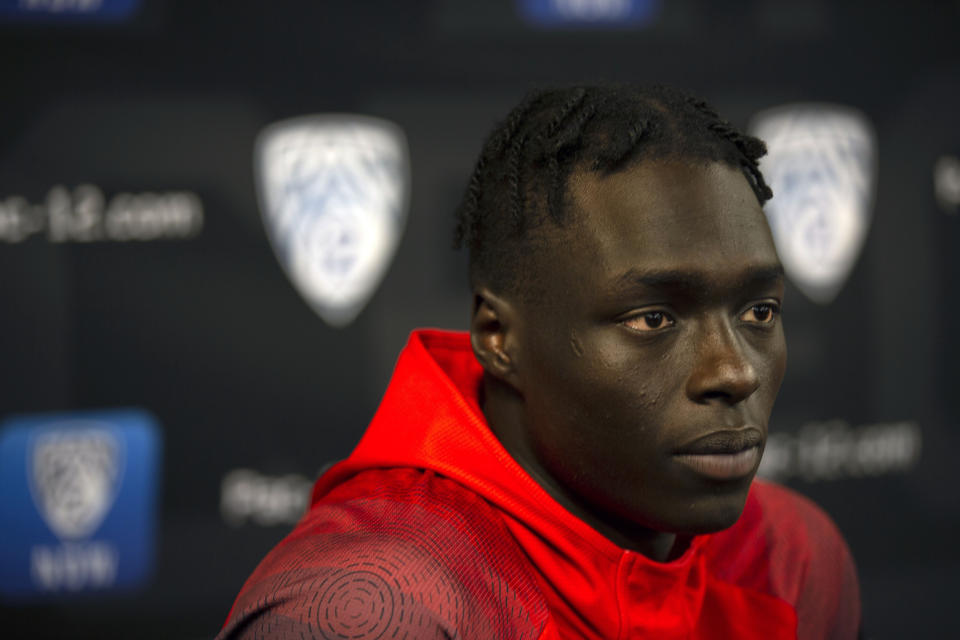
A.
x: 493, y: 335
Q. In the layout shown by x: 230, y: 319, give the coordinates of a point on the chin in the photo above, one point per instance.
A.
x: 709, y: 514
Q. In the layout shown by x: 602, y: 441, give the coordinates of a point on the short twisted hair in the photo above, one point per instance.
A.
x: 521, y: 177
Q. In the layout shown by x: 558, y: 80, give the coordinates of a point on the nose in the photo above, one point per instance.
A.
x: 722, y: 370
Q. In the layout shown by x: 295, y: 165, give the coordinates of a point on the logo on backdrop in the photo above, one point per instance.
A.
x: 85, y: 214
x: 946, y: 183
x: 69, y: 10
x: 74, y: 477
x: 79, y: 501
x: 263, y: 499
x: 333, y: 195
x: 821, y: 165
x: 589, y: 13
x: 834, y: 450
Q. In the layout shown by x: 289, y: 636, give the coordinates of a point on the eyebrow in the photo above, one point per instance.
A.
x: 695, y: 280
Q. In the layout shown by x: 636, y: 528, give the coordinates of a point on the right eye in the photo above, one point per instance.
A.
x: 649, y: 321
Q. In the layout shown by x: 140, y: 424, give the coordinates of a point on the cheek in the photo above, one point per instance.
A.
x: 641, y: 380
x: 567, y: 403
x: 777, y: 358
x: 601, y: 379
x: 772, y: 363
x: 607, y: 399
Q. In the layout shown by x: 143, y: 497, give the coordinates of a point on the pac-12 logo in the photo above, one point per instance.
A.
x: 78, y: 507
x: 821, y: 165
x: 74, y: 475
x: 333, y: 196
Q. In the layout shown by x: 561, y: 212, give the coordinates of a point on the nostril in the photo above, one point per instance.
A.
x: 711, y: 395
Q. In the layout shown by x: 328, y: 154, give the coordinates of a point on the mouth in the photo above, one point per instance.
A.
x: 723, y: 455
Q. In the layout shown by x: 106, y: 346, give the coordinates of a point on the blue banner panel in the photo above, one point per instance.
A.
x: 589, y: 13
x: 79, y: 502
x: 68, y: 10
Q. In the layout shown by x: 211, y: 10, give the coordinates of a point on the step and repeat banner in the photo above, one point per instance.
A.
x: 218, y: 225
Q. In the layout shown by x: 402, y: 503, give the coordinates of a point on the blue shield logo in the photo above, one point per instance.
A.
x: 333, y: 195
x: 68, y: 11
x: 821, y: 165
x: 590, y: 13
x: 75, y: 473
x: 79, y: 502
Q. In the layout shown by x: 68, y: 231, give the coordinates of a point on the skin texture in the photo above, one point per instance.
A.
x: 656, y: 322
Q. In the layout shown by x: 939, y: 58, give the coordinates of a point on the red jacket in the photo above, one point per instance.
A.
x: 431, y: 530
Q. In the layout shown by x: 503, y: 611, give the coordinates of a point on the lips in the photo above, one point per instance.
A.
x: 723, y: 442
x: 723, y: 455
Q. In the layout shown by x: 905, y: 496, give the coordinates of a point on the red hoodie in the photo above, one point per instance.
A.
x: 431, y: 530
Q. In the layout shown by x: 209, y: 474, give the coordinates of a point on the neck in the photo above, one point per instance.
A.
x: 503, y: 408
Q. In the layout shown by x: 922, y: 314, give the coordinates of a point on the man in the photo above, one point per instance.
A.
x: 581, y: 464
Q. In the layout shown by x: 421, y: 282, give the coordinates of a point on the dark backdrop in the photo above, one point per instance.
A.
x: 207, y: 333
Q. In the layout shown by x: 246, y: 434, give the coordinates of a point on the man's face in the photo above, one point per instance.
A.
x: 650, y: 360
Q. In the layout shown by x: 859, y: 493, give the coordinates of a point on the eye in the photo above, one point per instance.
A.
x: 650, y: 321
x: 761, y: 313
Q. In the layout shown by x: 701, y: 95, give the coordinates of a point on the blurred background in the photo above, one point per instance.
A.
x: 168, y: 396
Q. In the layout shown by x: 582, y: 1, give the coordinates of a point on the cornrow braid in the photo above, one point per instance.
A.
x: 559, y: 148
x: 620, y: 147
x: 471, y: 201
x: 566, y: 109
x: 468, y: 225
x: 521, y: 177
x: 750, y: 147
x: 515, y: 178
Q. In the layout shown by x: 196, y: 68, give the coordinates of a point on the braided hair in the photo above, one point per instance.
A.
x: 520, y: 179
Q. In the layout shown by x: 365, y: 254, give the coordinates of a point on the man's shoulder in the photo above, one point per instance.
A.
x: 787, y: 546
x: 393, y: 550
x: 412, y: 512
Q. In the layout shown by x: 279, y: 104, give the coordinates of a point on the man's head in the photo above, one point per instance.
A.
x: 521, y: 178
x: 626, y: 305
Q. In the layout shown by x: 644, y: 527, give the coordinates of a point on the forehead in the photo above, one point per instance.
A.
x: 669, y: 215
